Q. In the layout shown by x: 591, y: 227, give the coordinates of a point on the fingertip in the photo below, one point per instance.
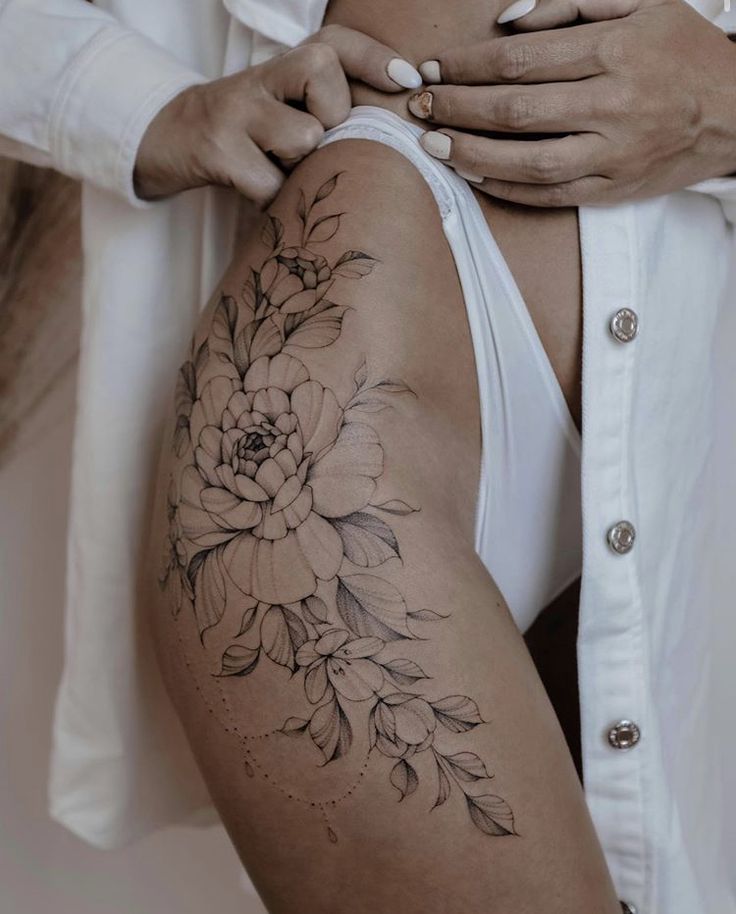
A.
x: 420, y: 105
x: 403, y: 73
x: 430, y: 71
x: 470, y: 176
x: 517, y: 10
x: 437, y: 144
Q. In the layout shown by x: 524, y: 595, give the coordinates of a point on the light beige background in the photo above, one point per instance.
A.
x: 44, y: 868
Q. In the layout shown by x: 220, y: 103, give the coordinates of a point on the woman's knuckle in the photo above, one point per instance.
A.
x: 546, y: 167
x: 514, y: 61
x: 691, y: 112
x: 329, y: 32
x: 612, y: 50
x: 304, y: 139
x: 515, y: 111
x: 320, y: 56
x: 555, y: 195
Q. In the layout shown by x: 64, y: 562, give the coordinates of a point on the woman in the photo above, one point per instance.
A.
x: 70, y: 110
x: 371, y: 488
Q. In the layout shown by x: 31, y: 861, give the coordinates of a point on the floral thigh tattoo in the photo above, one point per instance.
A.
x: 273, y: 519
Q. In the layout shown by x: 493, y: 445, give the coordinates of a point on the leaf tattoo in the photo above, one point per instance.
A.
x: 239, y: 660
x: 404, y: 778
x: 369, y: 605
x: 273, y: 508
x: 367, y: 540
x: 491, y: 814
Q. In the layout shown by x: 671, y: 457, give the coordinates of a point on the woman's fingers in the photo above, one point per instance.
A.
x: 580, y: 192
x: 313, y: 76
x: 550, y: 14
x: 368, y: 60
x: 247, y: 169
x: 298, y: 132
x: 547, y: 108
x: 551, y: 161
x: 564, y: 55
x: 229, y: 131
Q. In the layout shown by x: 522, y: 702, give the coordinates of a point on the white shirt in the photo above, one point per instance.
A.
x: 657, y: 627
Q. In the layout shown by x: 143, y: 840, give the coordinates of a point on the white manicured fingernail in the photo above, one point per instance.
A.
x: 420, y: 105
x: 430, y: 71
x: 469, y: 176
x: 516, y: 11
x: 437, y: 144
x: 403, y: 73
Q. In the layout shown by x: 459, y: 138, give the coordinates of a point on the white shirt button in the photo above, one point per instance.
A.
x: 621, y: 537
x: 628, y: 908
x: 624, y: 734
x: 624, y: 325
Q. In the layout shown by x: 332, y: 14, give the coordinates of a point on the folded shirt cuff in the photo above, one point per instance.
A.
x: 117, y: 85
x: 723, y: 189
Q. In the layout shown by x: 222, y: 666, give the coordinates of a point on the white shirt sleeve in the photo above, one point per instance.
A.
x: 78, y: 90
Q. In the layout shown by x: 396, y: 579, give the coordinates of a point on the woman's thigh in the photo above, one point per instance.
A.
x: 320, y: 479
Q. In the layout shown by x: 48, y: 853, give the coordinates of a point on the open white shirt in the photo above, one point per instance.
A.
x: 79, y: 85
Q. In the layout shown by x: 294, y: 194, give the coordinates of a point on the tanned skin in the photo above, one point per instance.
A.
x: 541, y: 247
x: 363, y: 707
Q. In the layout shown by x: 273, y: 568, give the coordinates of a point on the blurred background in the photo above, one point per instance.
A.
x: 42, y: 866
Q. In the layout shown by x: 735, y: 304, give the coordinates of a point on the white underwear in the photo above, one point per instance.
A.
x: 528, y: 529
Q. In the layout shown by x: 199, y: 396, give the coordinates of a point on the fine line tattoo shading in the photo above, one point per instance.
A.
x: 272, y: 517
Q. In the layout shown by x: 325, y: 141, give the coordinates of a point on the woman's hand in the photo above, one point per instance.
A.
x: 635, y: 106
x: 240, y: 130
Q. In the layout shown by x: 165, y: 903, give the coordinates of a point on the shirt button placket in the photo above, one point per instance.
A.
x: 610, y: 661
x: 623, y: 734
x: 624, y: 327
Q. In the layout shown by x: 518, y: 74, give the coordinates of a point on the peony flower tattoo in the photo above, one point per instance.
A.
x: 274, y: 461
x: 272, y: 518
